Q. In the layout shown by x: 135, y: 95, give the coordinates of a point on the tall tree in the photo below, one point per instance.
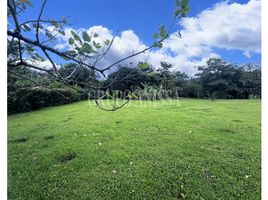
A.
x: 220, y: 79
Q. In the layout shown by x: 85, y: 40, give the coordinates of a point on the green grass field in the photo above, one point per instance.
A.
x: 196, y: 150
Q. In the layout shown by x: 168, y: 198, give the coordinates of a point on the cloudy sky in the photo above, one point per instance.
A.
x: 227, y: 29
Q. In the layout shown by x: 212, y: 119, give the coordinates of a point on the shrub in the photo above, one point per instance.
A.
x: 27, y: 99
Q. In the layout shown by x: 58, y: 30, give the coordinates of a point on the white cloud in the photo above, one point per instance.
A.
x: 43, y: 65
x: 47, y: 65
x: 229, y: 26
x: 225, y: 26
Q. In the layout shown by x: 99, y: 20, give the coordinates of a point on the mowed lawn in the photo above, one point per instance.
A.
x: 191, y: 149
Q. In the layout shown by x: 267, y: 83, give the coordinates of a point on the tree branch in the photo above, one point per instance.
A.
x: 38, y: 20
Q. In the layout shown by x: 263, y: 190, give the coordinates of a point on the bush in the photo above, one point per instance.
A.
x: 25, y: 99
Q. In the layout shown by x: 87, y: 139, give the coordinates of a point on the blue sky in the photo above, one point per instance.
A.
x: 143, y: 17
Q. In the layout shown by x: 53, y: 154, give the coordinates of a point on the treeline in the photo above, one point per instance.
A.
x: 218, y: 79
x: 30, y: 90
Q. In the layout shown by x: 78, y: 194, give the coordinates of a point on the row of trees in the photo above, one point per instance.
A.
x: 217, y: 79
x: 31, y: 89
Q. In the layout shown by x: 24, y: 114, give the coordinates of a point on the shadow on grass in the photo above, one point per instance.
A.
x: 19, y: 140
x: 67, y: 157
x: 49, y: 137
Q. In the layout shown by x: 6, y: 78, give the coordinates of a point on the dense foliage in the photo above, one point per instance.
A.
x: 218, y: 79
x: 26, y: 91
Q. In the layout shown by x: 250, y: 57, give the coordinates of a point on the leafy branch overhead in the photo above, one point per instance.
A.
x: 33, y: 41
x: 181, y: 9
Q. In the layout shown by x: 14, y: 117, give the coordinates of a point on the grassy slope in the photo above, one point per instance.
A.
x: 201, y: 149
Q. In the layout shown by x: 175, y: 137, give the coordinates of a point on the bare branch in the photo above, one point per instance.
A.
x: 53, y: 65
x: 38, y: 20
x: 134, y: 54
x: 114, y: 107
x: 107, y: 50
x: 43, y: 21
x: 12, y: 8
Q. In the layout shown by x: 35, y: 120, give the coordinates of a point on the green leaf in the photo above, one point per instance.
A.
x: 26, y: 27
x: 76, y: 37
x: 61, y: 32
x: 160, y: 45
x: 107, y: 42
x: 96, y: 45
x: 27, y: 2
x: 71, y: 41
x: 143, y: 66
x: 65, y: 58
x: 87, y: 48
x: 40, y: 57
x: 184, y: 3
x: 187, y: 9
x: 177, y: 12
x: 177, y: 2
x: 95, y: 35
x: 35, y: 26
x: 48, y: 34
x: 163, y: 32
x: 86, y: 37
x: 29, y: 48
x: 71, y: 53
x: 156, y: 36
x: 79, y: 49
x: 54, y: 23
x: 155, y: 44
